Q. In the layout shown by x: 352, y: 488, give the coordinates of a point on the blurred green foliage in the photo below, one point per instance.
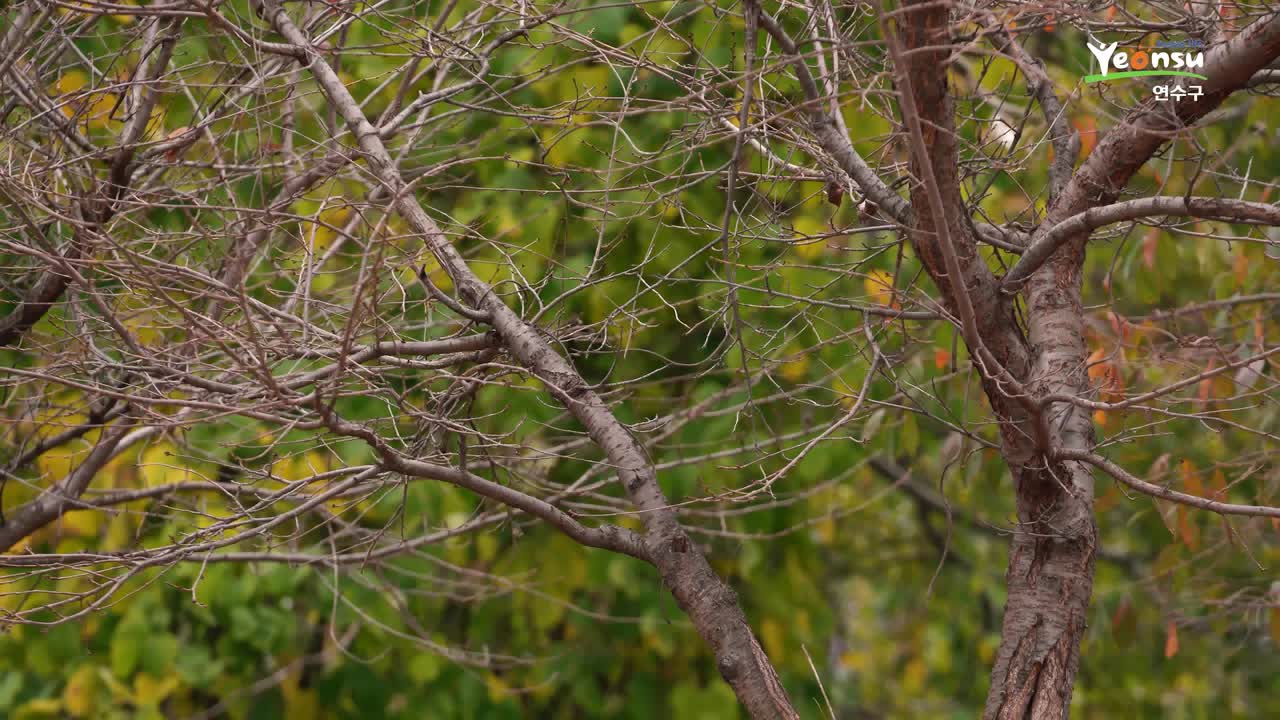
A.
x: 896, y: 606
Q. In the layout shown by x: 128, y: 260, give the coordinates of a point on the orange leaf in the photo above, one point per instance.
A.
x: 1219, y: 484
x: 1191, y: 479
x: 1149, y: 248
x: 1171, y: 640
x: 1240, y: 268
x: 1206, y: 385
x: 941, y: 358
x: 1097, y: 365
x: 1087, y: 126
x: 1188, y: 530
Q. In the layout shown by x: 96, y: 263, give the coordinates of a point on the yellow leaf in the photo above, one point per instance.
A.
x: 774, y: 639
x: 810, y: 238
x: 160, y: 466
x: 427, y: 263
x: 300, y: 703
x: 57, y: 463
x: 124, y: 19
x: 39, y: 708
x: 81, y: 523
x: 120, y: 532
x: 914, y: 675
x: 320, y: 233
x: 304, y: 466
x: 149, y: 691
x: 69, y: 82
x: 498, y: 688
x: 141, y: 317
x: 879, y: 286
x: 796, y: 369
x: 99, y: 110
x: 78, y: 695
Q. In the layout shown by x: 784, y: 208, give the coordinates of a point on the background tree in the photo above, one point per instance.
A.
x: 561, y: 360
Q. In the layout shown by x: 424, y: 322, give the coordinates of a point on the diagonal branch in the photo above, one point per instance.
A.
x: 1164, y: 493
x: 65, y: 494
x: 711, y: 604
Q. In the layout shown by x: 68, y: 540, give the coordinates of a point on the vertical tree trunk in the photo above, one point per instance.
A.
x: 1050, y: 579
x: 1051, y: 562
x: 1051, y: 559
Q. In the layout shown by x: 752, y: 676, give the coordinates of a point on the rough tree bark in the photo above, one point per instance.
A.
x: 1053, y: 551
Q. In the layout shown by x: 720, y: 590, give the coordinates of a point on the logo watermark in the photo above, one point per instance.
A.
x: 1143, y: 63
x: 1169, y: 58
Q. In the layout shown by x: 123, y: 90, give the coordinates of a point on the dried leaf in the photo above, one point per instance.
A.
x: 1206, y: 385
x: 1087, y: 126
x: 1218, y: 485
x: 1124, y: 624
x: 1171, y: 640
x: 1168, y: 514
x: 1188, y: 530
x: 1240, y: 267
x: 1191, y: 481
x: 1156, y: 472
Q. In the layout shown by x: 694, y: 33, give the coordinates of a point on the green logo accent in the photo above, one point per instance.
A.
x: 1140, y: 73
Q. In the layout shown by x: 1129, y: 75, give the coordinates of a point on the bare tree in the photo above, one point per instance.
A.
x: 300, y: 249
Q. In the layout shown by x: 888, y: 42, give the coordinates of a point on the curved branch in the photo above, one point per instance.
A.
x: 1164, y: 493
x: 1095, y: 217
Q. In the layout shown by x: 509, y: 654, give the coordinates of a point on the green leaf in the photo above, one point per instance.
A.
x: 126, y: 648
